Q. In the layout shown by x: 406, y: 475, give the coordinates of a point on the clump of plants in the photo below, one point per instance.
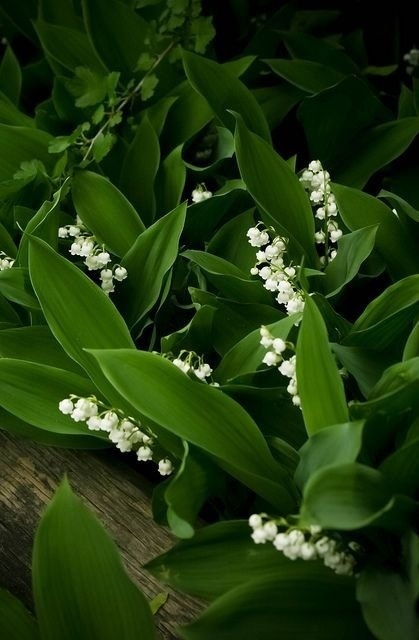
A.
x: 214, y: 237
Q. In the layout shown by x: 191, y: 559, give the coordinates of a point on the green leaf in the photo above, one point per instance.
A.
x: 117, y: 34
x: 69, y: 47
x: 105, y: 211
x: 387, y: 315
x: 353, y: 249
x: 401, y: 468
x: 277, y: 190
x: 19, y: 144
x: 247, y: 354
x: 89, y: 88
x: 332, y: 120
x: 16, y: 287
x: 411, y: 348
x: 35, y: 344
x: 198, y: 566
x: 304, y: 46
x: 339, y: 444
x: 10, y: 114
x: 395, y: 393
x: 10, y: 76
x: 224, y: 430
x: 392, y: 242
x: 32, y: 392
x: 322, y: 395
x: 148, y: 261
x: 230, y: 241
x: 102, y: 145
x: 388, y: 604
x: 229, y: 279
x: 299, y: 601
x: 196, y: 479
x: 81, y: 589
x: 139, y: 169
x: 366, y: 365
x: 345, y: 497
x: 224, y: 91
x: 170, y: 181
x: 78, y: 312
x: 16, y: 623
x: 375, y: 149
x: 312, y: 77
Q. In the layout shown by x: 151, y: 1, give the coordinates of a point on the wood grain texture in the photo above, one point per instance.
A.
x: 116, y: 493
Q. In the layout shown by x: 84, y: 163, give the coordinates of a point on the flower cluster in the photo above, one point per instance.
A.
x: 271, y: 266
x: 95, y: 256
x: 125, y: 432
x: 193, y: 365
x: 274, y: 358
x: 412, y: 59
x: 317, y: 182
x: 309, y: 544
x: 200, y: 193
x: 5, y: 261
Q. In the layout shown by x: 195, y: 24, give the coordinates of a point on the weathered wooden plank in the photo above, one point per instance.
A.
x: 120, y: 497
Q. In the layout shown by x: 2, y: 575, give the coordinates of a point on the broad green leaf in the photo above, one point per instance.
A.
x: 78, y: 312
x: 16, y: 623
x: 400, y: 204
x: 195, y: 336
x: 277, y: 190
x: 345, y: 497
x: 10, y: 76
x: 332, y: 120
x: 304, y: 600
x: 320, y: 385
x: 32, y: 392
x: 223, y: 430
x: 10, y: 114
x: 247, y: 355
x: 35, y: 344
x: 19, y: 144
x: 230, y: 241
x: 388, y: 604
x: 277, y: 102
x: 105, y: 211
x: 170, y: 181
x: 230, y: 281
x: 148, y: 261
x: 392, y: 242
x: 189, y: 114
x: 43, y: 224
x: 395, y: 393
x: 8, y: 315
x: 386, y: 315
x: 196, y: 479
x: 81, y: 589
x: 308, y: 47
x: 401, y: 467
x: 224, y: 91
x: 365, y: 365
x: 218, y: 558
x: 139, y: 170
x: 69, y: 47
x: 411, y: 348
x: 16, y: 287
x: 312, y: 77
x: 353, y: 249
x: 117, y: 34
x: 271, y: 408
x: 21, y: 16
x: 339, y: 444
x: 375, y: 149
